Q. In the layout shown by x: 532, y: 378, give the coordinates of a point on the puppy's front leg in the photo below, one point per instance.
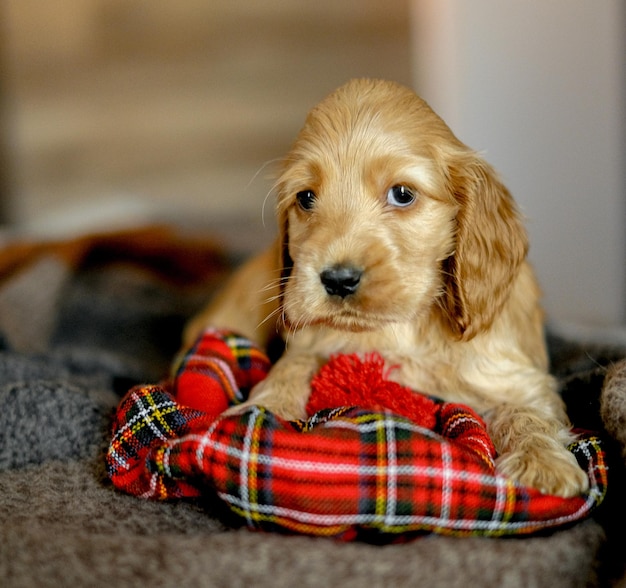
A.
x: 285, y: 391
x: 247, y: 305
x: 532, y: 450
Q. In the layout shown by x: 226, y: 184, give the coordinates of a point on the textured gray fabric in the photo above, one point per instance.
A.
x: 62, y: 523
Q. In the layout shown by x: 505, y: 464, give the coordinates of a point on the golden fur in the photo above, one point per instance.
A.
x: 440, y: 285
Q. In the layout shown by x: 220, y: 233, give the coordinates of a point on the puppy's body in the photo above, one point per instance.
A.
x: 395, y: 237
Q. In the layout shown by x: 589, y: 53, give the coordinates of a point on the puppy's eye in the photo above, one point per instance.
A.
x: 400, y: 196
x: 306, y: 199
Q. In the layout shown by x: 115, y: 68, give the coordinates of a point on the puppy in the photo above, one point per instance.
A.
x: 396, y: 237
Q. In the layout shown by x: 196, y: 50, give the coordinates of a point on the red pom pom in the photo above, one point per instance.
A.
x: 348, y: 380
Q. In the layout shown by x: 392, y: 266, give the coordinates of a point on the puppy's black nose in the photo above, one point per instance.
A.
x: 341, y: 280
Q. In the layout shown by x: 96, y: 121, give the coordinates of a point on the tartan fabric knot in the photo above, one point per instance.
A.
x: 348, y: 471
x: 218, y: 371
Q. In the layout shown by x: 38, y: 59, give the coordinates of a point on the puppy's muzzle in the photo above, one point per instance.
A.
x: 341, y: 280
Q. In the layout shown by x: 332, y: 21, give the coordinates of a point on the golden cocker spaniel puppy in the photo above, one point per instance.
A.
x: 395, y: 237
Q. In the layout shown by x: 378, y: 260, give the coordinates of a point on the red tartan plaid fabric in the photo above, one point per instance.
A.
x: 219, y: 371
x: 345, y: 472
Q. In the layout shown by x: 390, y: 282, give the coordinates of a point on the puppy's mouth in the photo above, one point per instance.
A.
x: 342, y: 319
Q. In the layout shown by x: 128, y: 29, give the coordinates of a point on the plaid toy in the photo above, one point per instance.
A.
x: 345, y: 472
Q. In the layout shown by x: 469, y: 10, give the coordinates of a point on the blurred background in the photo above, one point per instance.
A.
x: 133, y: 107
x: 120, y: 112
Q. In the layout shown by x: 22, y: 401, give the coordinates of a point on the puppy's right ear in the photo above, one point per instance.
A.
x: 285, y: 261
x: 282, y: 216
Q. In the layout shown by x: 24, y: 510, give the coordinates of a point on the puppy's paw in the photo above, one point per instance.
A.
x: 552, y: 471
x: 238, y: 409
x: 281, y: 402
x: 280, y: 410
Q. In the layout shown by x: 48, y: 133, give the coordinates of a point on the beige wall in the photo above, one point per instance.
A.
x: 540, y: 87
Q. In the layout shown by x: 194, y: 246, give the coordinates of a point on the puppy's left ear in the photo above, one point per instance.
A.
x: 491, y: 244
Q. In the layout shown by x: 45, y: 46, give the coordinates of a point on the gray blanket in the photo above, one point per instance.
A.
x: 82, y: 321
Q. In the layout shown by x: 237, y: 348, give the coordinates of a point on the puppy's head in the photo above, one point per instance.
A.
x: 386, y: 217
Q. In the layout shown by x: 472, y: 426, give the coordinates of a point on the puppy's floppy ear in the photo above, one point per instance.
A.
x: 490, y: 245
x: 285, y: 261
